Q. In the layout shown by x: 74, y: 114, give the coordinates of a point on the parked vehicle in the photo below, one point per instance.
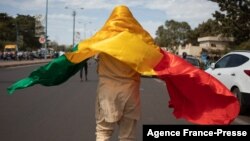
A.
x: 49, y: 52
x: 194, y: 61
x: 233, y: 70
x: 10, y: 52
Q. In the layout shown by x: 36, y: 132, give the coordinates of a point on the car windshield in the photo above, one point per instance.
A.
x: 10, y: 49
x: 193, y: 61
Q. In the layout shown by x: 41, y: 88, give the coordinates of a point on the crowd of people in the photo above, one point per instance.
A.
x: 25, y: 55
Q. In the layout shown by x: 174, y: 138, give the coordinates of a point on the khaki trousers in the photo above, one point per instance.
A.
x: 127, y: 129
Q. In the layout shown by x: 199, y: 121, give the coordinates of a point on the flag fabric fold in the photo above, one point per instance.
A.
x: 195, y: 95
x: 54, y: 73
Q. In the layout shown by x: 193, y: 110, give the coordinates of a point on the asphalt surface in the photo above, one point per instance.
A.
x: 66, y: 112
x: 59, y: 114
x: 11, y: 63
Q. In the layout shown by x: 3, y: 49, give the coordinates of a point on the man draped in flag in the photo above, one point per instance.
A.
x: 118, y: 99
x: 125, y: 40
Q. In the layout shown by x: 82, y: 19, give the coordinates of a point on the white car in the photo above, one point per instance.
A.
x: 233, y: 70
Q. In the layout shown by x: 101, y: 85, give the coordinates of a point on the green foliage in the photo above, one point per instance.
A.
x: 234, y: 18
x: 20, y: 30
x: 7, y: 34
x: 208, y: 28
x: 173, y: 33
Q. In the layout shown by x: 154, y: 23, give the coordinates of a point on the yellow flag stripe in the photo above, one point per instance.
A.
x: 134, y: 52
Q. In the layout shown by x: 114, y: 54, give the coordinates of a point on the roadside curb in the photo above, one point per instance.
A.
x: 6, y: 64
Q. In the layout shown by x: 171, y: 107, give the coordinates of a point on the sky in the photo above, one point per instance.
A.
x: 92, y: 14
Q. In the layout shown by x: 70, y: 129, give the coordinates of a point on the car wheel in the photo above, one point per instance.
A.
x: 237, y: 93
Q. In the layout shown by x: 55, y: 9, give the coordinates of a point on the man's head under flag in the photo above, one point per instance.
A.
x: 122, y: 37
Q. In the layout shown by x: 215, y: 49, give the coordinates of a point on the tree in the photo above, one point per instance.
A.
x: 26, y: 29
x: 172, y: 34
x: 39, y: 28
x: 20, y: 30
x: 161, y: 37
x: 234, y: 17
x: 208, y: 28
x: 7, y: 34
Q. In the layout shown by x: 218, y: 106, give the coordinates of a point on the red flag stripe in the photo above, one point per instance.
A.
x: 194, y: 94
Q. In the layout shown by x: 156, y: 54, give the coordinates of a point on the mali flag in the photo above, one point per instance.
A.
x: 195, y: 95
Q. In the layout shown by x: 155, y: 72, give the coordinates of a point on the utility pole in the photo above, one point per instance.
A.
x: 74, y: 19
x: 74, y: 15
x: 46, y: 24
x: 17, y: 34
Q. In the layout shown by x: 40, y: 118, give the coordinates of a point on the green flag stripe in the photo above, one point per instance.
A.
x: 55, y: 72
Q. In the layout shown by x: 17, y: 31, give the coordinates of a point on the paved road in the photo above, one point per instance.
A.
x: 66, y: 112
x: 11, y: 63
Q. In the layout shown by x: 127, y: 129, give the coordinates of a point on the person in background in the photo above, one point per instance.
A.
x: 208, y: 62
x: 184, y: 55
x: 85, y: 67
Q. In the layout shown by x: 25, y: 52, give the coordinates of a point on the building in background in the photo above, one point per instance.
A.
x: 209, y: 43
x: 214, y: 43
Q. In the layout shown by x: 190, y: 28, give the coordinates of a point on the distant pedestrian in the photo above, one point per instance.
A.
x: 85, y: 66
x: 184, y: 55
x: 207, y: 63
